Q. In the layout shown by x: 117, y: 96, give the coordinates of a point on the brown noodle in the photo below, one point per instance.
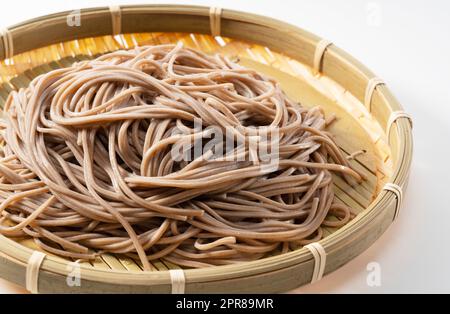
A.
x: 86, y: 165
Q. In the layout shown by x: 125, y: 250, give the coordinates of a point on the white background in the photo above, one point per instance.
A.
x: 407, y: 43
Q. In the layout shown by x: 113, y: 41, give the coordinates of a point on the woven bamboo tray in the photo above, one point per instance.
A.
x: 309, y: 69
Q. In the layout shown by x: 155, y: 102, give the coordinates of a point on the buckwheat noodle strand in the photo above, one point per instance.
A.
x: 87, y: 162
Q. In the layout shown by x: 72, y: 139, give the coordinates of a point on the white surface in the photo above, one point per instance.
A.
x: 407, y: 44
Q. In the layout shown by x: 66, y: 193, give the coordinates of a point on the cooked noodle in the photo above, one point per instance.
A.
x: 87, y: 164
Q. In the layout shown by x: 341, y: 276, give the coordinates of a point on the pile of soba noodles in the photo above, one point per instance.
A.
x: 130, y: 154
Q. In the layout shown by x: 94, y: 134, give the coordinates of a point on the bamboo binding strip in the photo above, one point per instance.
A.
x: 32, y: 271
x: 394, y: 117
x: 214, y: 20
x: 8, y: 43
x: 318, y: 54
x: 116, y: 19
x: 177, y: 280
x: 320, y: 260
x: 397, y: 190
x: 371, y: 85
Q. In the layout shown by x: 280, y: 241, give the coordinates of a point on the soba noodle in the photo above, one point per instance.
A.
x: 87, y: 163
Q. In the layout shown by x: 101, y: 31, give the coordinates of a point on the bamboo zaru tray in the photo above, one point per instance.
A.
x: 309, y: 69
